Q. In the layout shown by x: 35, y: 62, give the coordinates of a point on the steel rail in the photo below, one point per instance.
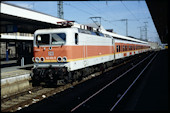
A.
x: 113, y: 107
x: 76, y: 107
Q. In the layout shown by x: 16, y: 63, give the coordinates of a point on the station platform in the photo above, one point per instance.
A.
x: 15, y: 79
x: 151, y: 92
x: 13, y: 71
x: 8, y: 62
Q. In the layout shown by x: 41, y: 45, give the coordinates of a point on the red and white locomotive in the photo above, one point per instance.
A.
x: 70, y: 53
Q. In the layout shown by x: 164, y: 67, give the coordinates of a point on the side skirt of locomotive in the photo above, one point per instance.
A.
x: 60, y: 75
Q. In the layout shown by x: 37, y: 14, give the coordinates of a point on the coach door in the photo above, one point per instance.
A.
x: 113, y: 48
x: 85, y: 54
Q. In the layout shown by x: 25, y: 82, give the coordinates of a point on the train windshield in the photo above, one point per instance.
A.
x: 43, y: 39
x: 51, y: 39
x: 58, y: 38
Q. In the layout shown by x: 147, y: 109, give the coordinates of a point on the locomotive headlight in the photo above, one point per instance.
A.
x: 64, y: 59
x: 37, y: 59
x: 42, y: 59
x: 59, y: 59
x: 33, y: 59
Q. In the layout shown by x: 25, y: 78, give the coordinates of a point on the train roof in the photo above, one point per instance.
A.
x: 102, y: 30
x: 51, y: 30
x: 123, y: 37
x: 114, y: 35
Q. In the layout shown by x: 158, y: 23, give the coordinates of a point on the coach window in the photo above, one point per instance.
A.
x: 117, y: 48
x: 120, y: 48
x: 76, y: 38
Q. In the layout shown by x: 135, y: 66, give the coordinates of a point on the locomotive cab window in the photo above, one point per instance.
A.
x: 42, y: 39
x: 58, y: 38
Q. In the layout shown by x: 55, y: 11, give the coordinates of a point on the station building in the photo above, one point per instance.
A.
x: 18, y: 25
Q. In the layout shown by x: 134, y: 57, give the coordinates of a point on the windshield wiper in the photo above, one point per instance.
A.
x: 38, y: 45
x: 62, y: 44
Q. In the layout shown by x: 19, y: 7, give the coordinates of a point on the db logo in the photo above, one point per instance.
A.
x: 51, y: 53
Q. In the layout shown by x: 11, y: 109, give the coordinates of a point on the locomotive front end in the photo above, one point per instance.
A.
x: 50, y: 56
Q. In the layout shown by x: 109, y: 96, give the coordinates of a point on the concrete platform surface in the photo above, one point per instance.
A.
x: 8, y: 72
x: 8, y: 62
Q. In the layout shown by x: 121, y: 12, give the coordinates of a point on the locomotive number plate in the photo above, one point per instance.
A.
x: 51, y: 53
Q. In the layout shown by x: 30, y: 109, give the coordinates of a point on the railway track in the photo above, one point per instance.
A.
x: 131, y: 85
x: 113, y: 91
x: 26, y: 98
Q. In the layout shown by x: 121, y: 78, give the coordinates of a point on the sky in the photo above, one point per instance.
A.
x: 111, y: 13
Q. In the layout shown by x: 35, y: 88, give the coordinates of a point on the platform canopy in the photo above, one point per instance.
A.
x: 159, y: 13
x: 19, y: 19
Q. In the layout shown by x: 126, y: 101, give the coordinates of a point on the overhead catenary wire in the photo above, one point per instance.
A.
x: 131, y: 12
x: 89, y: 13
x: 94, y: 11
x: 79, y: 9
x: 110, y: 22
x: 92, y: 7
x: 88, y: 4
